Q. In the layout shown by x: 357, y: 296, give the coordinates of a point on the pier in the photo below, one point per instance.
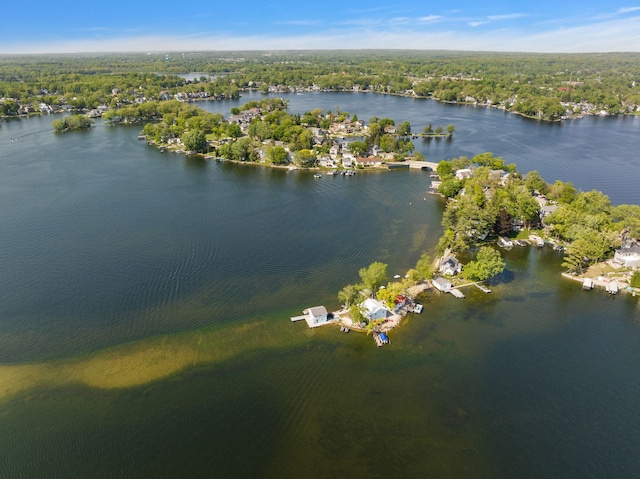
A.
x: 380, y: 338
x: 482, y: 287
x: 457, y: 293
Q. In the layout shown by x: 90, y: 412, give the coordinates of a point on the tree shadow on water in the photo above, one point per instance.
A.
x: 506, y: 277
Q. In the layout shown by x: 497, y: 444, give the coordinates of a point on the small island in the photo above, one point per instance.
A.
x: 71, y: 123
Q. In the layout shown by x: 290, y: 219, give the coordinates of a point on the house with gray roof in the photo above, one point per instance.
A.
x: 628, y: 256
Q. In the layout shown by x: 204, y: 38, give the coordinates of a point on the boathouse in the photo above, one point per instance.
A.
x: 442, y: 284
x: 316, y: 315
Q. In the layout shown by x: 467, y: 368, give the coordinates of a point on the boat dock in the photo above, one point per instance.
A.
x: 380, y: 338
x: 457, y: 293
x: 539, y: 242
x: 482, y: 287
x: 299, y: 318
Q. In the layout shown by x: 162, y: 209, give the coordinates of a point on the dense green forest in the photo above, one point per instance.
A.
x: 546, y: 86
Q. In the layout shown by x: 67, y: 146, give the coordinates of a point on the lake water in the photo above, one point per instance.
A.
x: 144, y: 324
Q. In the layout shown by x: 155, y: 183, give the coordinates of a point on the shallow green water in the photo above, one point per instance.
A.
x: 144, y: 330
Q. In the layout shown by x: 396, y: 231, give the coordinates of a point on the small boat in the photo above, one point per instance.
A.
x: 317, y: 175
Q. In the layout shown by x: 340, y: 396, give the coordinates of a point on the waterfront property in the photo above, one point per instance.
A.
x: 442, y: 284
x: 315, y: 316
x: 374, y: 309
x: 380, y: 338
x: 450, y: 266
x: 629, y: 256
x: 457, y: 293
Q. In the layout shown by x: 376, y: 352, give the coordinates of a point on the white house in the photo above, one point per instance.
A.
x: 375, y: 150
x: 442, y: 284
x: 450, y: 266
x: 463, y: 173
x: 347, y: 162
x: 370, y: 162
x: 374, y: 309
x: 347, y: 156
x: 316, y: 315
x: 326, y: 161
x: 629, y: 256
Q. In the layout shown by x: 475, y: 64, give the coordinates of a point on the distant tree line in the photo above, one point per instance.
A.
x: 537, y: 85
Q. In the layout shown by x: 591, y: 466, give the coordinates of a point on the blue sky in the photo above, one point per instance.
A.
x: 36, y: 26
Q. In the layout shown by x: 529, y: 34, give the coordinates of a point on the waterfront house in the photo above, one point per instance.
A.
x: 348, y: 157
x: 371, y: 162
x: 374, y: 309
x: 464, y: 173
x: 629, y: 256
x: 399, y: 303
x: 316, y: 315
x: 442, y: 284
x: 326, y: 161
x: 450, y: 266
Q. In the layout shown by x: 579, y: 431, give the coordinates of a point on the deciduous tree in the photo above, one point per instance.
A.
x: 373, y: 276
x: 488, y: 263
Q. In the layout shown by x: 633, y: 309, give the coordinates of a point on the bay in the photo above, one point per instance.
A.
x: 144, y: 324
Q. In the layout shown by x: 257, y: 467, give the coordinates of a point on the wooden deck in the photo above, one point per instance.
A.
x: 482, y: 287
x: 457, y: 293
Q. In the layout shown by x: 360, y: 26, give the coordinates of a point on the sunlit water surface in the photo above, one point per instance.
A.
x: 144, y: 324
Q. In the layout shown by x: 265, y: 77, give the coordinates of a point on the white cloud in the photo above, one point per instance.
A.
x: 628, y: 9
x: 429, y: 18
x: 476, y: 24
x: 507, y: 16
